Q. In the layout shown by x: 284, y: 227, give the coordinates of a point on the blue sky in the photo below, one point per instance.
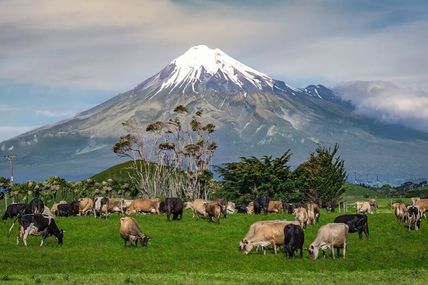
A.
x: 58, y: 58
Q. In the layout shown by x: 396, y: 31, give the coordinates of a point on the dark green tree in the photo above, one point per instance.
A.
x: 322, y: 176
x: 251, y: 176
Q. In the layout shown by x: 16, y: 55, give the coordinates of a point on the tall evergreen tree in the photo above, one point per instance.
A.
x: 251, y: 176
x: 322, y: 176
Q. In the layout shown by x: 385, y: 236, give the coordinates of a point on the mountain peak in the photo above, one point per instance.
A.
x: 201, y: 67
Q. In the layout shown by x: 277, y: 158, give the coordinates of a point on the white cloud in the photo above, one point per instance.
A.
x: 55, y: 113
x: 116, y: 44
x: 388, y: 102
x: 8, y: 132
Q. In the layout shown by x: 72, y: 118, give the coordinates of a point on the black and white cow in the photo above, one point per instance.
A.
x: 37, y: 225
x: 13, y: 210
x: 413, y: 217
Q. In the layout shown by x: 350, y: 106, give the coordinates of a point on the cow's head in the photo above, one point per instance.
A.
x: 145, y: 241
x: 313, y: 251
x: 245, y: 246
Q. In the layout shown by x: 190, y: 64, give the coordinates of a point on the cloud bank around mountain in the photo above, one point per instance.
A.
x: 388, y: 102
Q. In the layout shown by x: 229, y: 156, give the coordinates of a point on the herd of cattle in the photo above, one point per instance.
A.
x: 37, y: 219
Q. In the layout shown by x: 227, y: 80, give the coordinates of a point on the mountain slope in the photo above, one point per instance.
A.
x: 254, y: 113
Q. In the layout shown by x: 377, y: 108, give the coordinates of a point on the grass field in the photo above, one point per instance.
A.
x: 200, y: 252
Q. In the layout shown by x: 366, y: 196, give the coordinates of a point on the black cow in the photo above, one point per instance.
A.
x: 329, y: 206
x: 36, y: 206
x: 289, y: 207
x: 13, y: 210
x: 175, y: 207
x: 162, y: 207
x: 261, y: 204
x: 242, y: 208
x: 294, y: 239
x: 356, y: 222
x: 37, y: 224
x: 70, y: 209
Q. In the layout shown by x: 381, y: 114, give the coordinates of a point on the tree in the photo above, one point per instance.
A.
x: 251, y: 176
x: 322, y: 176
x: 171, y: 158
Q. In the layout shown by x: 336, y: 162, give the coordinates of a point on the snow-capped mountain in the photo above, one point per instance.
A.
x: 254, y: 115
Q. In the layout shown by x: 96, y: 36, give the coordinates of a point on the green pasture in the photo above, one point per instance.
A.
x: 201, y: 252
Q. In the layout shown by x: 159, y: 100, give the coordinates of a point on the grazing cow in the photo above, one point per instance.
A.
x: 242, y: 208
x: 36, y: 206
x: 172, y: 206
x: 231, y: 208
x: 214, y: 210
x: 13, y: 210
x: 356, y: 223
x: 100, y: 206
x: 69, y: 209
x: 223, y: 204
x: 413, y: 217
x: 363, y: 207
x: 116, y: 205
x: 143, y: 206
x: 198, y: 208
x: 130, y: 231
x: 55, y: 206
x: 400, y: 210
x: 294, y: 240
x: 422, y: 205
x: 264, y: 234
x: 316, y: 211
x: 37, y: 224
x: 373, y: 204
x: 250, y: 208
x: 86, y: 206
x: 332, y: 235
x: 289, y: 207
x: 301, y: 215
x: 261, y: 204
x: 274, y: 207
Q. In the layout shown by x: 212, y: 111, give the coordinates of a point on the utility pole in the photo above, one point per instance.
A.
x: 9, y: 157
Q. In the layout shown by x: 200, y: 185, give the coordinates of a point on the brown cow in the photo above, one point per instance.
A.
x: 55, y: 206
x: 86, y: 206
x: 316, y: 210
x: 263, y: 234
x: 332, y: 235
x: 115, y: 205
x: 301, y: 215
x: 422, y: 204
x: 274, y: 207
x: 143, y: 206
x: 130, y: 231
x: 363, y: 207
x: 400, y: 210
x: 198, y: 208
x: 214, y: 210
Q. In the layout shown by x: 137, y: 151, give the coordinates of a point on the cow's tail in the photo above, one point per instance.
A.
x: 11, y: 227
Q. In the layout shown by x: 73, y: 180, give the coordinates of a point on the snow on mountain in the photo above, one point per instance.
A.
x: 200, y: 64
x: 253, y: 113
